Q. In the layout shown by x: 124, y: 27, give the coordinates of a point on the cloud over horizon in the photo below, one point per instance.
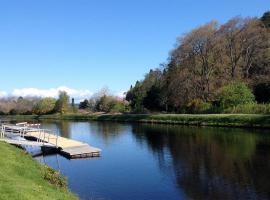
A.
x: 77, y: 94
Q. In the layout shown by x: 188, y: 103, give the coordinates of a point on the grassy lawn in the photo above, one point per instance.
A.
x: 227, y: 120
x: 230, y: 120
x: 21, y: 177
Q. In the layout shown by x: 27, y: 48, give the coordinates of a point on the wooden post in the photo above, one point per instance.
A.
x: 2, y: 131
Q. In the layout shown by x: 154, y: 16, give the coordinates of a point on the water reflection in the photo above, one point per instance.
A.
x: 213, y: 163
x: 142, y: 161
x: 107, y: 130
x: 60, y: 127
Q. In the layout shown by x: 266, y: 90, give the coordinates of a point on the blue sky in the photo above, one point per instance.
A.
x: 88, y: 44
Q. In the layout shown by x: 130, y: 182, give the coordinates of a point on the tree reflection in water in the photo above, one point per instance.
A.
x: 212, y: 163
x: 108, y: 131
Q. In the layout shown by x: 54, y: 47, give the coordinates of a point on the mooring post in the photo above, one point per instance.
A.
x: 2, y: 131
x: 39, y: 135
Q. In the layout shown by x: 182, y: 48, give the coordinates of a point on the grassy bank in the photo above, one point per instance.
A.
x: 228, y: 120
x: 21, y: 177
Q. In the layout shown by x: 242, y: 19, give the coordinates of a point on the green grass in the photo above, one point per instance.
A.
x: 23, y: 178
x: 228, y: 120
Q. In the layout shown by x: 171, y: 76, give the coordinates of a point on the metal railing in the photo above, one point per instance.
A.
x: 23, y: 130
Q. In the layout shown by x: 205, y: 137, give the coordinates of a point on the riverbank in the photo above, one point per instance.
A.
x: 223, y: 120
x: 21, y: 177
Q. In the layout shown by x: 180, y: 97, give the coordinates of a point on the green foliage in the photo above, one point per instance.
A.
x: 152, y: 100
x: 230, y: 120
x: 104, y: 104
x: 111, y: 104
x: 198, y: 106
x: 119, y: 106
x: 45, y: 106
x: 235, y: 94
x: 250, y: 108
x: 54, y: 177
x: 62, y: 105
x: 84, y: 104
x: 141, y: 96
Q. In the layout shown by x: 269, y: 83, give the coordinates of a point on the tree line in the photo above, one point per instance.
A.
x: 102, y: 101
x: 34, y: 105
x: 214, y: 68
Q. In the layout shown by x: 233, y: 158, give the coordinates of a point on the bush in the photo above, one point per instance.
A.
x: 111, y: 104
x: 13, y: 111
x: 251, y: 108
x: 54, y: 177
x: 84, y: 104
x: 235, y: 94
x: 197, y: 106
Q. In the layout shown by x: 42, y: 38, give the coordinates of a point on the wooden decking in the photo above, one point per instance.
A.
x: 68, y: 147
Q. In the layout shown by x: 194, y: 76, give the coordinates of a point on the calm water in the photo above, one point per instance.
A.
x: 141, y: 161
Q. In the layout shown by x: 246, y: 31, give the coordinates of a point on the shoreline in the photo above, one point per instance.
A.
x: 214, y: 120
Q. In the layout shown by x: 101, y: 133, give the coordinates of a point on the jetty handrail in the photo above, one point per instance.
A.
x: 45, y: 135
x: 2, y: 134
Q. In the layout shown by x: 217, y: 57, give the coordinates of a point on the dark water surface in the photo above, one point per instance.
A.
x: 152, y: 162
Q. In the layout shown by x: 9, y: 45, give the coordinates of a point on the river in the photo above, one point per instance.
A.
x: 166, y: 162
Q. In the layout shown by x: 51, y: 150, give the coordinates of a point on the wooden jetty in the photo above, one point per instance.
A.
x: 46, y: 138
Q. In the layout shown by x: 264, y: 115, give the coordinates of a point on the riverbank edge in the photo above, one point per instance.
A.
x: 218, y: 120
x: 22, y: 167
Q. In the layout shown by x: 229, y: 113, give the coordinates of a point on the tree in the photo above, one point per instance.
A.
x: 235, y: 94
x: 45, y: 106
x: 62, y: 104
x: 24, y: 106
x: 111, y: 104
x: 199, y: 56
x: 104, y: 104
x: 152, y: 100
x: 84, y: 104
x: 137, y: 93
x: 266, y: 19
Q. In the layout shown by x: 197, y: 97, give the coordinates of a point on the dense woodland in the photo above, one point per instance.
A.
x: 214, y: 68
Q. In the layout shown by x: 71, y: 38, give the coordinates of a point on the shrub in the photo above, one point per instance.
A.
x: 84, y: 104
x: 197, y: 106
x: 54, y: 177
x: 235, y: 94
x: 111, y: 104
x: 13, y: 111
x: 251, y: 108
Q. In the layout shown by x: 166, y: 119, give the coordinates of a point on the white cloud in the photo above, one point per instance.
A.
x: 78, y: 95
x: 121, y: 94
x: 3, y: 94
